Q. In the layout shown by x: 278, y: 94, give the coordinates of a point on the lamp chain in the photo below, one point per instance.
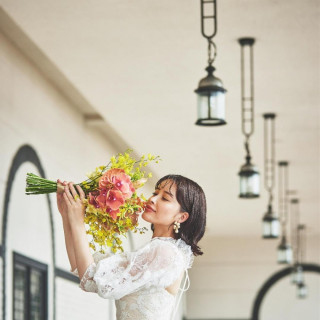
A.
x: 302, y: 242
x: 212, y: 54
x: 247, y: 113
x: 294, y: 218
x: 269, y: 154
x: 209, y: 13
x: 247, y: 147
x: 283, y: 193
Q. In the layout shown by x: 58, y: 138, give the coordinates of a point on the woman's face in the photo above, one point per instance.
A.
x: 162, y: 207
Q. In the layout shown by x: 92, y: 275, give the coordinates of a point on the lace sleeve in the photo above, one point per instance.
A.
x: 97, y: 256
x: 159, y: 263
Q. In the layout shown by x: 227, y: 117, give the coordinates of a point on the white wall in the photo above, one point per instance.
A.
x: 33, y: 112
x: 227, y: 278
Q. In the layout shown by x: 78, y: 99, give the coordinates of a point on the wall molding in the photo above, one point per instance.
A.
x: 60, y: 273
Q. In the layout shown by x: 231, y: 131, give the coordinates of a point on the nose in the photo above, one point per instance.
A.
x: 151, y: 199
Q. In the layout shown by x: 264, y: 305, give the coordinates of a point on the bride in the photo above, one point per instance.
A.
x: 143, y: 283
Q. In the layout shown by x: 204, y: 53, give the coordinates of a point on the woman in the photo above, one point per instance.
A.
x: 143, y: 283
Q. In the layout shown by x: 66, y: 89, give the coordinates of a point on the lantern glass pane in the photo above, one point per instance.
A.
x: 249, y: 185
x: 271, y: 228
x: 203, y: 112
x: 285, y: 255
x: 275, y: 228
x: 266, y: 228
x: 217, y: 105
x: 297, y: 275
x: 211, y: 106
x: 302, y: 291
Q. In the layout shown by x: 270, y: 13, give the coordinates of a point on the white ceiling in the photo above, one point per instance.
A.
x: 138, y: 63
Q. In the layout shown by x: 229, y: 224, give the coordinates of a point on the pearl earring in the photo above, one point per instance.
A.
x: 176, y: 226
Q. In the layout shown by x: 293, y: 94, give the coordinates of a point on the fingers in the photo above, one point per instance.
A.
x: 81, y: 192
x: 67, y: 195
x: 66, y: 199
x: 75, y: 194
x: 70, y: 193
x: 64, y: 182
x: 73, y: 191
x: 59, y: 189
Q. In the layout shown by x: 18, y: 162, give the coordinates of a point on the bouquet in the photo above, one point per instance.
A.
x: 112, y: 206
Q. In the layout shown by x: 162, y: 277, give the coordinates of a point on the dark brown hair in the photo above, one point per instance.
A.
x: 192, y: 199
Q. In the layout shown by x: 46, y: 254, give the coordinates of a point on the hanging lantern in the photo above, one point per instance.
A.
x: 301, y: 237
x: 270, y: 225
x: 297, y: 274
x: 284, y: 251
x: 210, y: 92
x: 249, y: 180
x: 297, y: 270
x: 249, y: 175
x: 300, y: 243
x: 211, y: 100
x: 302, y: 291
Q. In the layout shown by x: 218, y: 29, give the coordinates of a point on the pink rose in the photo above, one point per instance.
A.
x: 119, y: 180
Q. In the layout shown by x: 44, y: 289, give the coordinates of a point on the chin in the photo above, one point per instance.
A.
x: 145, y: 217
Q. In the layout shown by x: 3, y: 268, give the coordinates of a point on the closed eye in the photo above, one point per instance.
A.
x: 155, y: 194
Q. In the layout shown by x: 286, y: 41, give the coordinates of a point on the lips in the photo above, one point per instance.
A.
x: 150, y: 208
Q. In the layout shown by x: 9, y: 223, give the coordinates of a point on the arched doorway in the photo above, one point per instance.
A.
x: 307, y: 267
x: 25, y: 154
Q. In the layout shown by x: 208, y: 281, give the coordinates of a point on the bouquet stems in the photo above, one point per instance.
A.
x: 39, y: 185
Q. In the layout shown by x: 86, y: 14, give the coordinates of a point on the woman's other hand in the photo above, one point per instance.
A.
x: 74, y: 203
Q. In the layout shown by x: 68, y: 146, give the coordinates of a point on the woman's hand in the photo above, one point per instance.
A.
x: 61, y: 203
x: 74, y: 203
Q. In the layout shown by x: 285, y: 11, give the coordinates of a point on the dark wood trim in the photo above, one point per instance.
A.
x: 66, y: 275
x: 20, y: 258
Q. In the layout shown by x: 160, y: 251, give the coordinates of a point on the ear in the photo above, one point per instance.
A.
x: 184, y: 216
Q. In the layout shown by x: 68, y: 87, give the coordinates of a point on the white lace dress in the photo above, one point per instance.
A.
x: 137, y: 280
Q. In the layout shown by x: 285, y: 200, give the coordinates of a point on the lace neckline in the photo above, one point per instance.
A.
x: 163, y: 238
x: 183, y: 246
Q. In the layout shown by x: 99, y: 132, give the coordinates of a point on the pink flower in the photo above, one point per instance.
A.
x: 113, y: 213
x: 119, y: 180
x: 92, y: 199
x: 110, y: 198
